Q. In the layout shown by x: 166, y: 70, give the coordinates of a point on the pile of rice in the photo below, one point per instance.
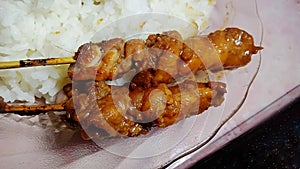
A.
x: 56, y: 28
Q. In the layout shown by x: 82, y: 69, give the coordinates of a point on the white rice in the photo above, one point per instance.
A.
x: 56, y: 28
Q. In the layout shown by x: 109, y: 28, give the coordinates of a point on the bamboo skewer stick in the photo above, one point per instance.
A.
x: 36, y: 62
x: 25, y: 109
x: 29, y: 109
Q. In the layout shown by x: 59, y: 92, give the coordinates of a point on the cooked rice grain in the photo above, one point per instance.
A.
x: 43, y: 28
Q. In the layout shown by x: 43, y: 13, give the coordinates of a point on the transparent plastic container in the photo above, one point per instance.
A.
x: 255, y: 92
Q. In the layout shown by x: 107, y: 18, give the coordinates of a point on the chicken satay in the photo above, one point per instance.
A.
x: 165, y: 56
x: 231, y: 47
x: 97, y: 61
x: 109, y: 111
x: 191, y: 102
x: 95, y: 109
x: 160, y: 60
x: 224, y: 49
x: 234, y: 47
x: 166, y: 105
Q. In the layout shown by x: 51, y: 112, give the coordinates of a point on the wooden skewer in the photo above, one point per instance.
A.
x: 29, y: 109
x: 36, y: 62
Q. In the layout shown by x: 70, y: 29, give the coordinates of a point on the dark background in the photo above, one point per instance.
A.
x: 273, y: 144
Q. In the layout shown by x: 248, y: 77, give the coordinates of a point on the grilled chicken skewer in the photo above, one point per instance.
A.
x: 117, y: 111
x: 163, y: 57
x: 114, y: 110
x: 160, y: 60
x: 232, y: 46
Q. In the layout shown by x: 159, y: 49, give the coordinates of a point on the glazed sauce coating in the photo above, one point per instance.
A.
x: 167, y: 55
x: 149, y: 100
x: 118, y: 111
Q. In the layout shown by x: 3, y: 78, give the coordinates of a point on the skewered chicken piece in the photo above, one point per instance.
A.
x: 155, y: 58
x: 223, y: 49
x: 159, y: 61
x: 110, y: 111
x: 114, y: 110
x: 163, y: 57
